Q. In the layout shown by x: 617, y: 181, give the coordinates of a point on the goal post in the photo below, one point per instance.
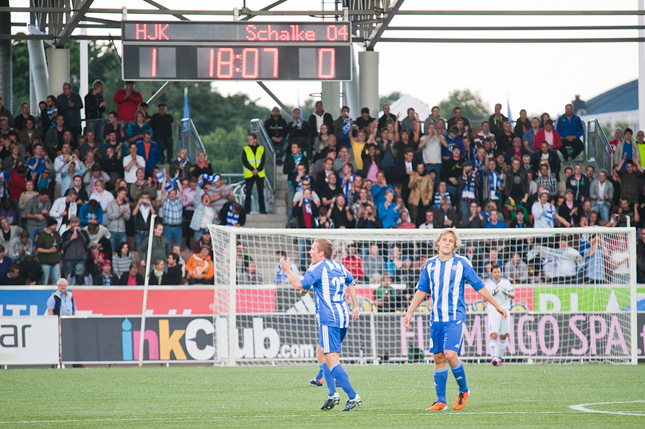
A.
x: 575, y: 294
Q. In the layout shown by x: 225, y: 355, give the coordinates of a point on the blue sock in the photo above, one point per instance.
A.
x: 329, y: 378
x: 320, y: 371
x: 440, y: 380
x: 460, y: 375
x: 343, y: 380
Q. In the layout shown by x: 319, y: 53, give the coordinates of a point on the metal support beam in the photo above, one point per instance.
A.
x: 161, y: 7
x: 269, y: 7
x: 283, y: 106
x: 380, y: 28
x: 159, y: 93
x: 71, y: 24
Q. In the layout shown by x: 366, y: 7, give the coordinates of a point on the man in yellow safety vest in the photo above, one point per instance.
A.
x: 253, y: 159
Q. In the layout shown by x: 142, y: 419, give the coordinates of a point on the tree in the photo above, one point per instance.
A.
x: 389, y: 99
x: 610, y: 129
x: 472, y: 105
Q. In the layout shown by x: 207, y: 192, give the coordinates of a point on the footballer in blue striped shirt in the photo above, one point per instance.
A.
x: 443, y: 277
x: 329, y: 279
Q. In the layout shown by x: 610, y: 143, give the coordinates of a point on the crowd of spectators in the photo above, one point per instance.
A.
x: 78, y: 198
x: 435, y: 173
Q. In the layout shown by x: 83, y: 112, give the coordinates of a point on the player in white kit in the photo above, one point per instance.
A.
x: 503, y: 291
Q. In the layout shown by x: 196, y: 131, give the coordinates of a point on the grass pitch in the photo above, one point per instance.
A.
x: 393, y: 396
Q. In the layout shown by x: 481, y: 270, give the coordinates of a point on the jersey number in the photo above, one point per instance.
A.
x: 339, y: 283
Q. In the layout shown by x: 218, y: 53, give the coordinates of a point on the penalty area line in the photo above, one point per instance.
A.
x: 585, y: 408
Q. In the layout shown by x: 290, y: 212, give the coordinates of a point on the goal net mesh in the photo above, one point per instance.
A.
x: 573, y: 294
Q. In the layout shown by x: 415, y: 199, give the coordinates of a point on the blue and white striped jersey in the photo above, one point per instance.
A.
x: 329, y: 279
x: 445, y: 282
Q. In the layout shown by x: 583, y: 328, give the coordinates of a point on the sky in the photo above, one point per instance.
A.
x: 537, y: 77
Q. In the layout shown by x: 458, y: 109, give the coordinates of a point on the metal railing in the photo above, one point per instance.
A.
x: 188, y: 138
x: 598, y: 148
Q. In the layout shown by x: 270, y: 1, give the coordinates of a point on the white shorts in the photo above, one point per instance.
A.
x: 496, y: 325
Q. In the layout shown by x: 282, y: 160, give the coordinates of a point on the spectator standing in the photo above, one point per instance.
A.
x: 24, y: 194
x: 161, y: 124
x: 387, y: 115
x: 28, y: 134
x: 203, y: 214
x: 21, y: 247
x: 160, y: 247
x: 94, y: 107
x: 457, y: 116
x: 61, y: 302
x: 142, y: 214
x: 20, y: 121
x: 136, y: 128
x: 342, y: 126
x: 132, y: 163
x: 127, y: 101
x: 8, y: 232
x: 5, y: 113
x: 388, y: 211
x: 627, y: 149
x: 276, y: 128
x: 69, y: 106
x: 75, y: 242
x: 579, y: 184
x: 48, y: 247
x: 253, y: 159
x: 118, y: 213
x: 202, y: 166
x: 149, y: 150
x: 171, y: 211
x: 5, y: 262
x: 91, y: 211
x: 300, y: 132
x: 63, y: 209
x: 181, y: 164
x: 104, y: 197
x: 318, y: 118
x: 496, y: 120
x: 119, y: 128
x: 601, y: 193
x: 36, y: 210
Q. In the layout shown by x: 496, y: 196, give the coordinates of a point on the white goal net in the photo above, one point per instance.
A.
x: 575, y: 294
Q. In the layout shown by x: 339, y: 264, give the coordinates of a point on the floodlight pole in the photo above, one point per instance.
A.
x: 146, y: 282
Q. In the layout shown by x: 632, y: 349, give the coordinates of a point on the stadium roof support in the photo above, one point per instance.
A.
x: 71, y: 24
x: 380, y: 28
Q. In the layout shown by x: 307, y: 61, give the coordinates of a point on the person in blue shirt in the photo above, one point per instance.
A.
x: 444, y: 277
x: 389, y: 211
x: 449, y: 142
x: 378, y: 189
x: 571, y: 129
x: 149, y: 151
x: 330, y: 280
x: 493, y: 220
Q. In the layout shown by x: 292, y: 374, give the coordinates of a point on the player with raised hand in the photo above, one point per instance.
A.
x: 330, y: 279
x: 503, y: 291
x: 444, y: 276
